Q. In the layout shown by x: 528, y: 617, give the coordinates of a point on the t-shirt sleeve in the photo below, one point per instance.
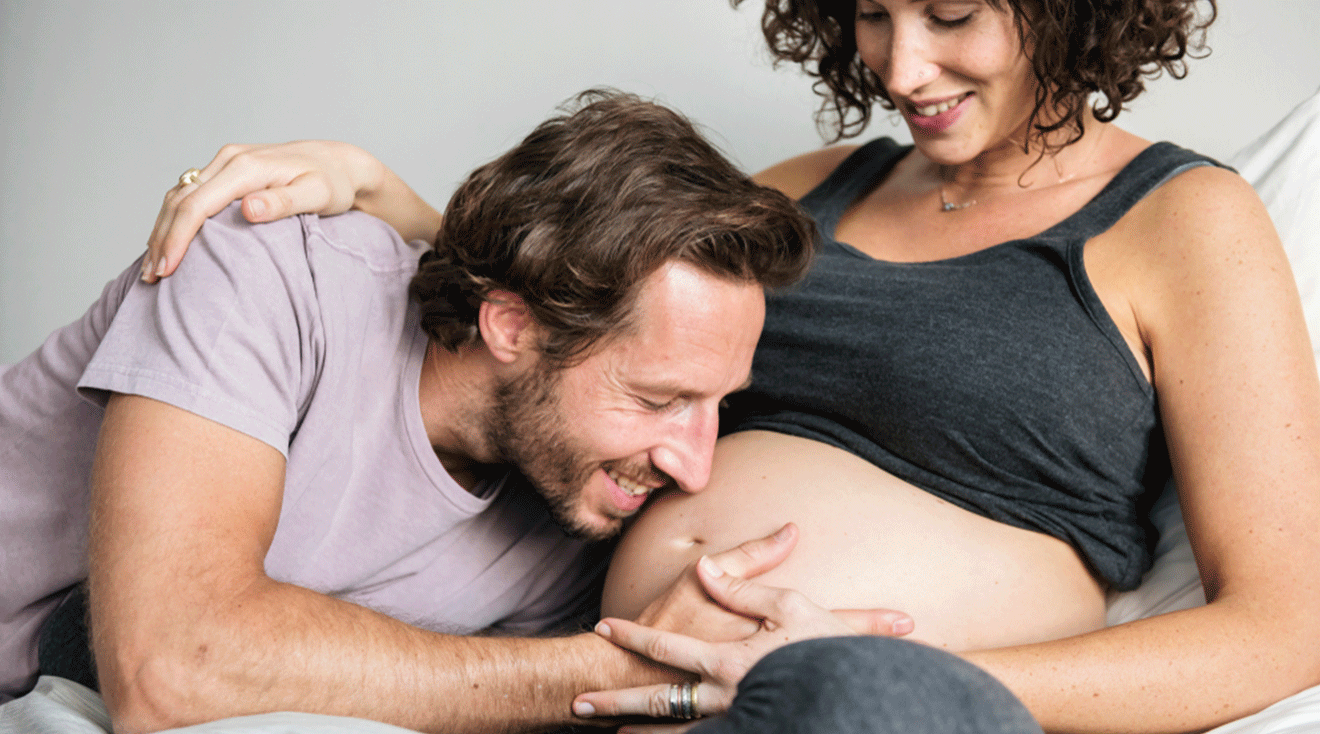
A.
x: 565, y: 597
x: 231, y: 336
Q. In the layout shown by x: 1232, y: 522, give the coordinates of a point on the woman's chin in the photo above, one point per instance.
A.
x: 944, y: 151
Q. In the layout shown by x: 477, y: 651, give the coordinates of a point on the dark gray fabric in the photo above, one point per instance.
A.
x: 995, y: 381
x: 64, y: 648
x: 876, y: 685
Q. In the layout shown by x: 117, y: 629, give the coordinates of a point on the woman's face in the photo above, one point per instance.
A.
x: 955, y: 69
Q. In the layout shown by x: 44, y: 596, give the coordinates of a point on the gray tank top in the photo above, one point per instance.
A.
x: 996, y: 380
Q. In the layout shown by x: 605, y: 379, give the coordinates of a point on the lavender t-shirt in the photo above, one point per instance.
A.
x: 298, y: 333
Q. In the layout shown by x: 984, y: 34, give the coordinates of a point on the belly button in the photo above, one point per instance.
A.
x: 687, y: 542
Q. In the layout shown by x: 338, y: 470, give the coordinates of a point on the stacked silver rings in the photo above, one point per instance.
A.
x: 683, y: 700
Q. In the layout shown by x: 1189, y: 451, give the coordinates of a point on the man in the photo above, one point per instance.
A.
x: 299, y: 494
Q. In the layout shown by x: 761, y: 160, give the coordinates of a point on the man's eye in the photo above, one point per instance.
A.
x: 653, y: 405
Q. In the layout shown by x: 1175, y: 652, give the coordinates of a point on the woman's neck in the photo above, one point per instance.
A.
x: 1008, y: 166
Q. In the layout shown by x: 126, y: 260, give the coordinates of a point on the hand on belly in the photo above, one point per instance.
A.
x: 868, y: 540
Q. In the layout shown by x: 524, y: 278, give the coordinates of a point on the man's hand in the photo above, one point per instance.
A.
x: 722, y: 626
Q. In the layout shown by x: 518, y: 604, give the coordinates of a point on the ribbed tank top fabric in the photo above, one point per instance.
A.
x: 995, y: 380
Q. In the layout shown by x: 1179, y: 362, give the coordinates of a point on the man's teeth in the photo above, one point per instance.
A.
x: 627, y: 485
x: 935, y: 109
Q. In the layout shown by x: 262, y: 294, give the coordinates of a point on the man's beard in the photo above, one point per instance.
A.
x: 525, y: 428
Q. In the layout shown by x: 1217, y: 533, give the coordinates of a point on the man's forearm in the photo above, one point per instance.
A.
x: 186, y: 626
x: 278, y: 647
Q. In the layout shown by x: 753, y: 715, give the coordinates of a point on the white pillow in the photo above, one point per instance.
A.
x: 1284, y: 167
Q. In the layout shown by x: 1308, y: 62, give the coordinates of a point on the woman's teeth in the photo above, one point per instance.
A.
x: 627, y: 485
x: 935, y: 109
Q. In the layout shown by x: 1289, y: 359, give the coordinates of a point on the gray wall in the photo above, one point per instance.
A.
x: 103, y: 104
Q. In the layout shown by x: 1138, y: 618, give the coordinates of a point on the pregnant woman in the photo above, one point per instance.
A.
x: 1017, y: 329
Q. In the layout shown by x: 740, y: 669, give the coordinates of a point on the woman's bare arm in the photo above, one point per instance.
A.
x: 276, y: 181
x: 1215, y: 303
x: 328, y: 177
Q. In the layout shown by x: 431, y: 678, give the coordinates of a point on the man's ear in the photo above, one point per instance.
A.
x: 507, y: 326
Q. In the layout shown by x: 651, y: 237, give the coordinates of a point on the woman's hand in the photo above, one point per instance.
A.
x: 274, y: 181
x: 785, y: 616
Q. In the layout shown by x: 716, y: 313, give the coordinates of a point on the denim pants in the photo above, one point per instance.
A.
x: 847, y: 685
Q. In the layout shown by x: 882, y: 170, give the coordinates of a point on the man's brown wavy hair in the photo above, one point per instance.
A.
x: 593, y: 201
x: 1080, y: 49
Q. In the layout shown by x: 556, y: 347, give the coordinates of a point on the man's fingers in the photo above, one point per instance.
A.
x: 655, y: 701
x: 678, y: 651
x: 652, y: 701
x: 755, y: 557
x: 882, y: 622
x: 658, y: 728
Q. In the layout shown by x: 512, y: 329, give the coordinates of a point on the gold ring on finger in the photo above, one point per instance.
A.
x: 190, y: 176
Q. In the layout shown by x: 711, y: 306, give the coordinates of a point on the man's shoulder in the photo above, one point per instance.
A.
x: 364, y: 239
x: 355, y: 236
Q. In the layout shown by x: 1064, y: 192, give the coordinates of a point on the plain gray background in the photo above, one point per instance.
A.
x: 104, y: 104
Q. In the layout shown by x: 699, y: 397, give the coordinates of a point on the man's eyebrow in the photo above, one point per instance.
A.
x: 667, y: 388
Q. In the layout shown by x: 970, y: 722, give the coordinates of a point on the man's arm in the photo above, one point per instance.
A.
x: 187, y: 627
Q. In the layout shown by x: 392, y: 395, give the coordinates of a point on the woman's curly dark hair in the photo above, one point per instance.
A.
x: 1080, y: 48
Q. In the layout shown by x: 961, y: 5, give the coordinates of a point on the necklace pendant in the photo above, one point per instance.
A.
x: 948, y: 206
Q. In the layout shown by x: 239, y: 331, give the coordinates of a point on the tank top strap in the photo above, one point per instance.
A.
x: 850, y: 180
x: 1151, y: 168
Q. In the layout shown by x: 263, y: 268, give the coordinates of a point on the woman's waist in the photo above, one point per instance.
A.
x: 868, y: 539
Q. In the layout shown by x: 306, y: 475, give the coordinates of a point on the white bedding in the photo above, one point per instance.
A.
x: 1283, y: 165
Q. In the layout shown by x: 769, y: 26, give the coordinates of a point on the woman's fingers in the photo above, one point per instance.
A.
x: 882, y: 622
x: 780, y: 607
x: 755, y: 557
x: 273, y: 182
x: 306, y: 193
x: 163, y: 246
x: 745, y: 597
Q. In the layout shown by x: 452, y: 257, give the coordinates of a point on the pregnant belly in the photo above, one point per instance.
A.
x: 868, y: 540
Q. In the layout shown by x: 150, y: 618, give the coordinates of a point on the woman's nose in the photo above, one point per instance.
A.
x: 910, y: 66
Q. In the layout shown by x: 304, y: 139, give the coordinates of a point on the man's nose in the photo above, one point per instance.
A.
x: 686, y: 453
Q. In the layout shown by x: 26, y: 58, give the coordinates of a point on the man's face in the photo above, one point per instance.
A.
x: 642, y: 410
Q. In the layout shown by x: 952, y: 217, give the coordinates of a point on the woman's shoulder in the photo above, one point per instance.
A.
x: 800, y: 174
x: 1201, y: 233
x: 1185, y: 197
x: 1206, y: 200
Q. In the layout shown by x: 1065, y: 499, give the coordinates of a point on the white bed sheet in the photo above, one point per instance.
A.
x: 1283, y: 166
